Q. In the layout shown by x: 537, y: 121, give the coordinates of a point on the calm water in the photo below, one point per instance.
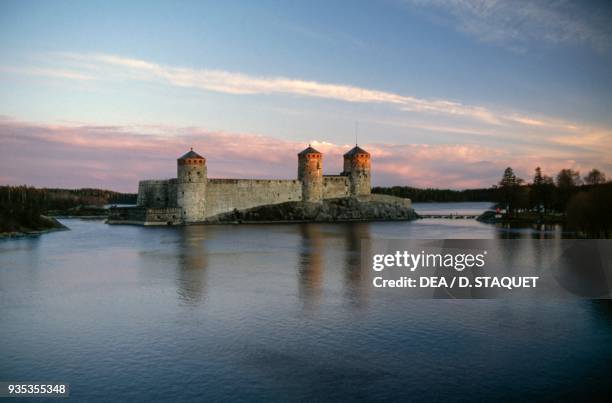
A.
x: 452, y: 208
x: 272, y: 312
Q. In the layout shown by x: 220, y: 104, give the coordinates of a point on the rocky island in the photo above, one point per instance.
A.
x: 20, y: 227
x: 331, y: 210
x: 192, y: 197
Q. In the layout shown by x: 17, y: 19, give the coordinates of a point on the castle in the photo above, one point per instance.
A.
x: 192, y: 197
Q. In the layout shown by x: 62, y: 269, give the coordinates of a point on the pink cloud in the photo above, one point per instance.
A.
x: 116, y: 157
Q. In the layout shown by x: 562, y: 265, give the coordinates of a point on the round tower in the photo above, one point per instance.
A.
x: 191, y: 186
x: 357, y: 166
x: 310, y: 173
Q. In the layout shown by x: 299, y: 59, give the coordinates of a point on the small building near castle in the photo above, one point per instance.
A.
x: 192, y: 197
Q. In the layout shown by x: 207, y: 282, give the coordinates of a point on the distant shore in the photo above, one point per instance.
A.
x: 29, y: 211
x: 80, y: 212
x: 524, y: 218
x: 51, y: 224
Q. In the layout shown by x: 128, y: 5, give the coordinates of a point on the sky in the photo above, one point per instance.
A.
x: 442, y: 93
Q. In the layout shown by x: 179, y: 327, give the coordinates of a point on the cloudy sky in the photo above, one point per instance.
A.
x: 443, y: 93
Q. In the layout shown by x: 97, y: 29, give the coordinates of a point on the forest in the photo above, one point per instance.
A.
x: 22, y: 208
x: 438, y: 195
x: 582, y: 203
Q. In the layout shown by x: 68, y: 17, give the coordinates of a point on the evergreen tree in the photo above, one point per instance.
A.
x: 537, y: 193
x: 510, y: 188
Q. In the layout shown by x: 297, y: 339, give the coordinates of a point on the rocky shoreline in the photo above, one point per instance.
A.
x: 54, y: 225
x: 331, y: 210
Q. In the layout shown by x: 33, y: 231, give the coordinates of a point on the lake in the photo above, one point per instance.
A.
x: 278, y: 312
x: 452, y: 208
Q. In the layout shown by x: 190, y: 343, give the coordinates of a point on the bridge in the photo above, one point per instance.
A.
x: 451, y: 216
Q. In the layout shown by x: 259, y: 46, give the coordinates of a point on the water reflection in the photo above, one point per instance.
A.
x: 602, y: 312
x: 310, y: 264
x: 531, y: 231
x: 355, y: 276
x: 322, y: 246
x: 191, y: 264
x: 102, y: 291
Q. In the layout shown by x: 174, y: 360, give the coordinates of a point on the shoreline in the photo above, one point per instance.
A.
x: 57, y: 226
x: 341, y: 209
x: 490, y: 217
x: 264, y: 222
x: 83, y: 217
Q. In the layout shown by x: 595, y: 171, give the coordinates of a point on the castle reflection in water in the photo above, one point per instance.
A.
x: 318, y: 247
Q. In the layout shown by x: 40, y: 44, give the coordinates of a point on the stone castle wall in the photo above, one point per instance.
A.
x: 172, y: 192
x: 155, y: 193
x: 225, y: 195
x: 335, y: 186
x: 169, y: 216
x: 144, y: 216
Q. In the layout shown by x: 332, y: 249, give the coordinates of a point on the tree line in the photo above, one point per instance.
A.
x: 584, y: 202
x: 438, y: 195
x: 545, y: 194
x: 21, y: 206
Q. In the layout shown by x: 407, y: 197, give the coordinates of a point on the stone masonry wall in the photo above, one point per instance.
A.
x: 335, y: 186
x: 153, y: 193
x: 168, y: 216
x: 225, y: 195
x: 144, y: 216
x: 172, y: 190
